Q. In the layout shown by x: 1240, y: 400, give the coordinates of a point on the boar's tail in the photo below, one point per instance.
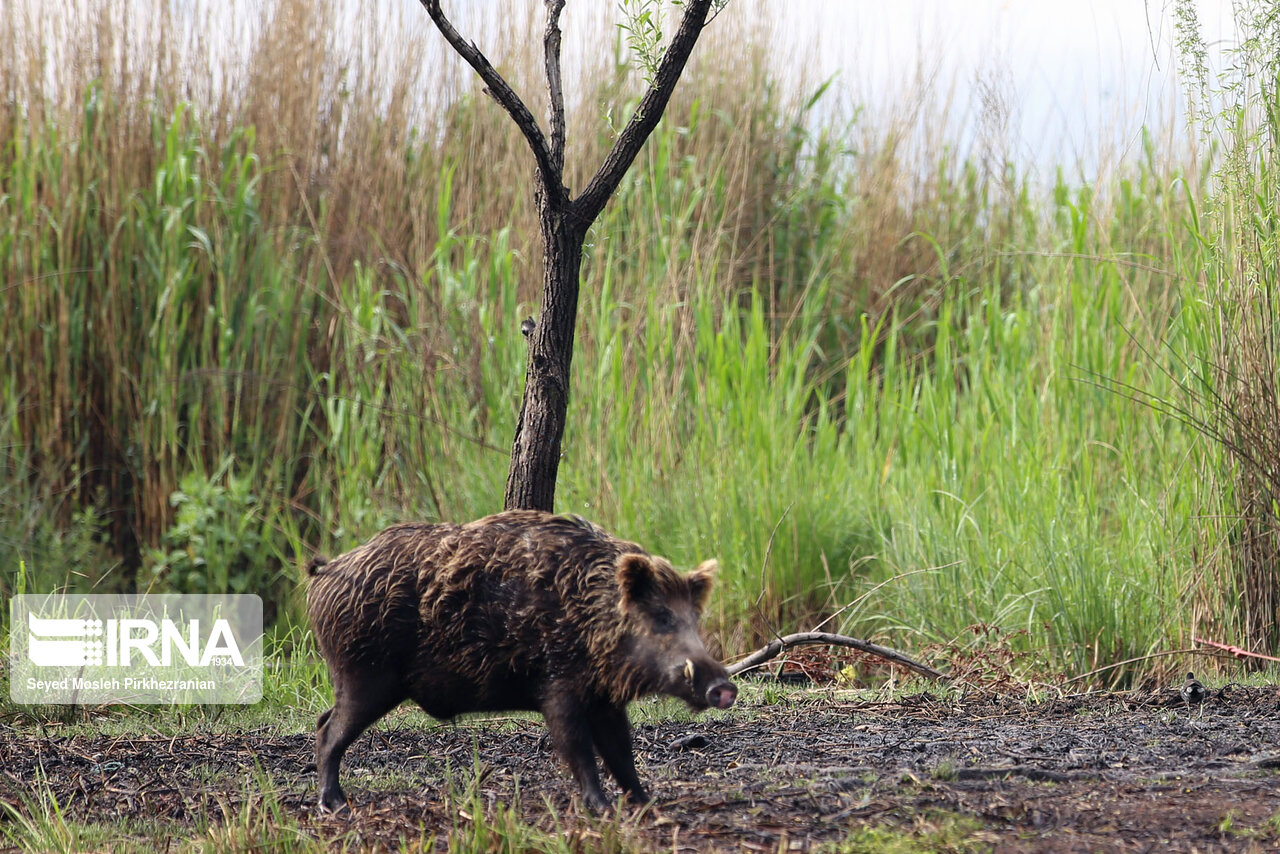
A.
x: 316, y: 562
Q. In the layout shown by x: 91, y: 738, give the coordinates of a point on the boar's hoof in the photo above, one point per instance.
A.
x: 334, y: 803
x: 721, y: 695
x: 595, y: 802
x: 638, y: 797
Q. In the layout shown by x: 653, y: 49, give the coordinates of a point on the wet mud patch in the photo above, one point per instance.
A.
x: 1105, y: 772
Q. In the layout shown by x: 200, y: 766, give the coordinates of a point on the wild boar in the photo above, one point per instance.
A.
x: 517, y: 611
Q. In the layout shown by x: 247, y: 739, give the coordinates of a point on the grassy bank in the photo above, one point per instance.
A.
x: 262, y: 317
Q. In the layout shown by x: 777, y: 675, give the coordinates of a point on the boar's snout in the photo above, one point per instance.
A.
x: 705, y: 685
x: 721, y: 694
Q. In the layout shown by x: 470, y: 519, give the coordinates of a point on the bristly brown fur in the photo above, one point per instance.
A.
x: 517, y: 611
x: 454, y: 578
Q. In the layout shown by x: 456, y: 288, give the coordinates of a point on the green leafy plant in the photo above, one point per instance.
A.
x: 215, y: 544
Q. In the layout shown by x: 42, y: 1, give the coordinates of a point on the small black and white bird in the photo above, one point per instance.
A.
x: 1192, y: 690
x: 526, y: 326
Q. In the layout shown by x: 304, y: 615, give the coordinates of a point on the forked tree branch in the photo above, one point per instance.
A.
x: 592, y: 201
x: 775, y: 647
x: 555, y: 93
x: 550, y: 156
x: 549, y: 174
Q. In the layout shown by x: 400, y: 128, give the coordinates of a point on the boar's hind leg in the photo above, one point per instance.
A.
x: 354, y: 709
x: 571, y: 735
x: 611, y: 732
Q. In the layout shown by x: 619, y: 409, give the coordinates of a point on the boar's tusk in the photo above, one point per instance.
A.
x: 688, y: 669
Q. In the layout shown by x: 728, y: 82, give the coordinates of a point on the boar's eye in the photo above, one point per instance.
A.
x: 663, y: 620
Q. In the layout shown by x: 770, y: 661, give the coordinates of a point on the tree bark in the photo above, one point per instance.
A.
x: 535, y: 452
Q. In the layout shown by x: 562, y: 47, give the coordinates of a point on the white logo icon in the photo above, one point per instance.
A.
x: 64, y: 643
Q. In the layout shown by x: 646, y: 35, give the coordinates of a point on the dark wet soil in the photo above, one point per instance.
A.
x: 1105, y: 772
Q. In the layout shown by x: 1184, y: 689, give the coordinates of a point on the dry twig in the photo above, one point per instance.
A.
x: 775, y: 648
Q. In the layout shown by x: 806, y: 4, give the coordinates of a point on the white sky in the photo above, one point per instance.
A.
x: 1079, y: 78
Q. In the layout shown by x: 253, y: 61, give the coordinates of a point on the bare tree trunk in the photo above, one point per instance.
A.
x: 535, y: 453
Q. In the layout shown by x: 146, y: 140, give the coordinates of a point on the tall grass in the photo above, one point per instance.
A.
x: 1230, y: 391
x: 280, y: 306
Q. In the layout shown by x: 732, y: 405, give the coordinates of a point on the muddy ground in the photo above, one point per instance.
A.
x: 1113, y: 772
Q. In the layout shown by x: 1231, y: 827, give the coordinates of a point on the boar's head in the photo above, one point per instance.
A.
x: 662, y: 650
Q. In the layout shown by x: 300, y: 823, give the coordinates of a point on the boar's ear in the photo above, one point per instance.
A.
x: 635, y: 578
x: 700, y: 581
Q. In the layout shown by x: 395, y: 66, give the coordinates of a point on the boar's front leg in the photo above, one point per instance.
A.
x: 570, y: 728
x: 611, y: 732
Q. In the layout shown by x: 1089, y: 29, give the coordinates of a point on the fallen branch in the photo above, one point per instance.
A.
x: 1141, y: 658
x: 775, y: 647
x: 1234, y: 650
